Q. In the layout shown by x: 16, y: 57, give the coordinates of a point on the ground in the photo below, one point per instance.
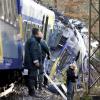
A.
x: 21, y: 93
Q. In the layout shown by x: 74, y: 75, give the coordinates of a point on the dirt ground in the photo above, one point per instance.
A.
x: 21, y: 93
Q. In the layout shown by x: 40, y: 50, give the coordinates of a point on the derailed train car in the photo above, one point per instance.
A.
x: 71, y: 48
x: 17, y: 18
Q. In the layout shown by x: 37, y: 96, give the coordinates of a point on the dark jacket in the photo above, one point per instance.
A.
x: 71, y: 75
x: 32, y: 52
x: 45, y: 50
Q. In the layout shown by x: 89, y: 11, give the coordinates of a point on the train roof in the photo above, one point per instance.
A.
x: 33, y: 12
x: 33, y: 4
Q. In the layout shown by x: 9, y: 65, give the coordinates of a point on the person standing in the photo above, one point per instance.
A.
x: 33, y: 59
x: 45, y: 54
x: 71, y: 79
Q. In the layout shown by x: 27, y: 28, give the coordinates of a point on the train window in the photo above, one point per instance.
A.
x: 14, y: 12
x: 7, y: 9
x: 4, y: 8
x: 27, y: 30
x: 35, y: 26
x: 28, y: 27
x: 10, y: 11
x: 1, y: 8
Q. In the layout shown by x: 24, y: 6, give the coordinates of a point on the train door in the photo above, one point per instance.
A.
x: 43, y: 21
x: 27, y: 28
x: 45, y: 26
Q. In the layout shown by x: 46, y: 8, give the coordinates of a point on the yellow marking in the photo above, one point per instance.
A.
x: 64, y: 75
x: 53, y: 70
x: 21, y: 26
x: 1, y: 50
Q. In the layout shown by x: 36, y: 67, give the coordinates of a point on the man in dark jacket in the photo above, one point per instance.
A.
x: 33, y: 59
x: 45, y: 53
x: 71, y: 79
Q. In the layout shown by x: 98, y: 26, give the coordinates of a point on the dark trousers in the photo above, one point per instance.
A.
x: 32, y: 81
x: 45, y: 81
x: 70, y: 90
x: 40, y: 77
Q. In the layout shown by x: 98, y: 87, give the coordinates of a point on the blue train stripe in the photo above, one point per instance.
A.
x: 34, y: 20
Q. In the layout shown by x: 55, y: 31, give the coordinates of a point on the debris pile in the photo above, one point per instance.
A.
x: 21, y: 93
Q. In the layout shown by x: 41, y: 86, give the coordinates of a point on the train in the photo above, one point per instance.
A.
x: 17, y: 18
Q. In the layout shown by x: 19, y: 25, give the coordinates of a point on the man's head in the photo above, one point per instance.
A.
x: 37, y: 33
